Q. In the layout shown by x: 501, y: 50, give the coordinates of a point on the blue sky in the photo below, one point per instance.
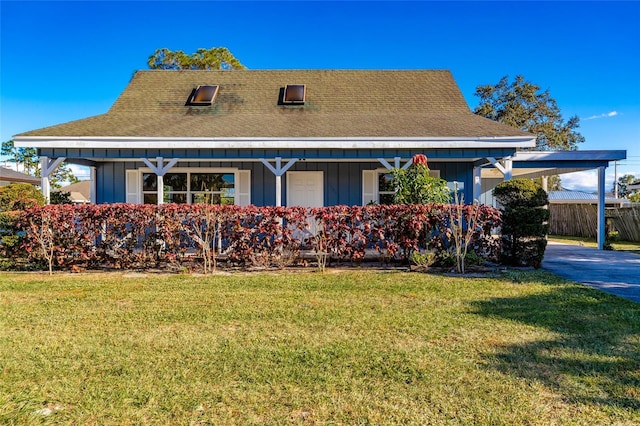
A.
x: 61, y: 61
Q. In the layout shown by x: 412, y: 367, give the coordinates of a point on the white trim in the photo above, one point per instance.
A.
x: 273, y: 143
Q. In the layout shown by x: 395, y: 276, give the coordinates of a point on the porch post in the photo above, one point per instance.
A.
x: 278, y: 171
x: 278, y: 182
x: 601, y: 218
x: 92, y: 188
x: 160, y: 169
x: 477, y: 183
x: 508, y: 165
x: 46, y: 168
x: 545, y: 183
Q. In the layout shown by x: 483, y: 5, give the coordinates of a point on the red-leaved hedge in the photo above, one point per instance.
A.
x: 127, y: 236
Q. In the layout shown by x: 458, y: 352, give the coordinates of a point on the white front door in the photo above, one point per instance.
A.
x: 305, y: 189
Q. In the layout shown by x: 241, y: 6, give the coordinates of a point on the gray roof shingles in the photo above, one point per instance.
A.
x: 339, y: 104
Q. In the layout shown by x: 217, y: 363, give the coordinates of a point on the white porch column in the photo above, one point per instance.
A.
x: 278, y: 171
x: 508, y: 165
x: 601, y: 218
x: 92, y: 188
x: 477, y: 183
x: 160, y: 169
x: 545, y: 183
x: 505, y: 167
x: 46, y: 168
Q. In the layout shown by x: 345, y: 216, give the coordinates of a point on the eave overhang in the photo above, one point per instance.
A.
x: 274, y: 143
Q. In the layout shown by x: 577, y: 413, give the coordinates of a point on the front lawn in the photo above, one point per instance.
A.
x: 344, y: 347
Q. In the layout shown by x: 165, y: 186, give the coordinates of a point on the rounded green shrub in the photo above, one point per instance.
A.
x: 524, y: 222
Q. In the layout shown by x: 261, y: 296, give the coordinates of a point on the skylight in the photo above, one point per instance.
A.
x: 294, y: 94
x: 204, y: 95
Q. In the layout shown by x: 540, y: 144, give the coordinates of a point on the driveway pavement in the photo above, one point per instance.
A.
x: 615, y: 272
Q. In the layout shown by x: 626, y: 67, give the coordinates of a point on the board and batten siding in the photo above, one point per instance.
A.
x: 343, y: 181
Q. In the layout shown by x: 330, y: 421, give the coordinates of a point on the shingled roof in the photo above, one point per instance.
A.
x: 339, y: 103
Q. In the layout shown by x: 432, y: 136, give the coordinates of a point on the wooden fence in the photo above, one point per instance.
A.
x: 627, y: 222
x: 581, y: 220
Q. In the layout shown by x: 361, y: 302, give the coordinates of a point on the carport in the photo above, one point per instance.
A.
x: 534, y: 164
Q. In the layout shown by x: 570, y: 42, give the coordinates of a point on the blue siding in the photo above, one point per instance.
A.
x: 342, y: 180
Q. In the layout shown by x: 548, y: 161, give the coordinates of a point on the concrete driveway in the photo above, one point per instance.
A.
x: 615, y: 272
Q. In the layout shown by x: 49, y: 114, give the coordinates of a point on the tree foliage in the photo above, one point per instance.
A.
x: 522, y: 104
x: 27, y: 159
x: 216, y: 58
x: 623, y: 182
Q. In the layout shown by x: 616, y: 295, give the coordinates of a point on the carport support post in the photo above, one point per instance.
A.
x: 601, y: 219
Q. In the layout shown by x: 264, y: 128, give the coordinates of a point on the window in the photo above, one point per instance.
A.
x: 377, y: 186
x: 203, y: 95
x: 191, y: 188
x: 294, y: 94
x: 385, y: 188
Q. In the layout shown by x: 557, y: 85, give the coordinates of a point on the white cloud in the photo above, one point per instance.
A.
x: 587, y: 181
x: 605, y: 115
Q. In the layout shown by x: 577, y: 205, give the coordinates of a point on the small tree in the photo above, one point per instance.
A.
x: 415, y: 185
x: 462, y: 227
x: 524, y: 222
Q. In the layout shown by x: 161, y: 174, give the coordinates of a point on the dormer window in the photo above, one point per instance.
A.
x: 204, y: 95
x: 294, y: 94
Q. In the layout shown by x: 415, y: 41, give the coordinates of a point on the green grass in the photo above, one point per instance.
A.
x: 344, y: 347
x: 629, y: 246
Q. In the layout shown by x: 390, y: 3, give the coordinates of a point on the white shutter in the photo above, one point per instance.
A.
x: 369, y: 186
x: 243, y: 189
x: 133, y: 186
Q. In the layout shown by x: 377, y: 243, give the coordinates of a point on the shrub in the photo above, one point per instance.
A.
x: 525, y: 222
x: 178, y: 236
x: 19, y: 196
x: 415, y: 185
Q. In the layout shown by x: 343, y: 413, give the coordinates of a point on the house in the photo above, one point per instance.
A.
x: 293, y: 137
x: 8, y: 176
x: 311, y: 137
x: 79, y: 192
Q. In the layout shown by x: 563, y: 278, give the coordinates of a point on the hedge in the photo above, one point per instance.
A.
x: 178, y: 236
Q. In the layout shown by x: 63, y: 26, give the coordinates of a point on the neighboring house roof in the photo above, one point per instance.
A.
x: 580, y: 197
x: 339, y: 104
x: 79, y: 192
x: 634, y: 185
x: 8, y: 175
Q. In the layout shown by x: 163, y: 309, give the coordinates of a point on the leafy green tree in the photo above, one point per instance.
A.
x: 623, y: 181
x: 415, y: 185
x: 523, y: 105
x: 28, y: 159
x: 216, y: 58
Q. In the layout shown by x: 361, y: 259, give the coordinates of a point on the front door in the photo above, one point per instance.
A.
x: 305, y: 189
